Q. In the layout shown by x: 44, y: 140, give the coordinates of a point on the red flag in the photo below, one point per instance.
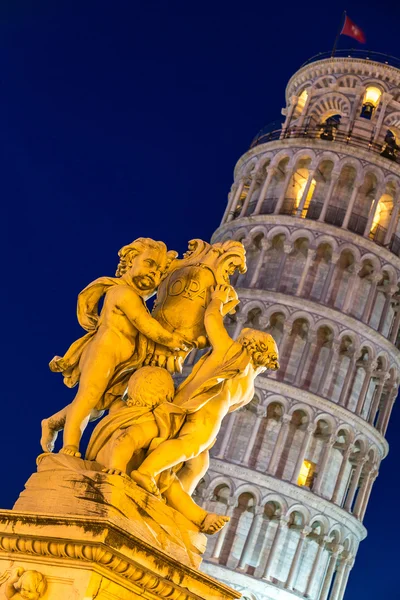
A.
x: 353, y: 31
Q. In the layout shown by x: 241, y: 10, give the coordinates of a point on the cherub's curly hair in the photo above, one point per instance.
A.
x: 32, y: 581
x: 261, y: 347
x: 150, y: 386
x: 128, y: 253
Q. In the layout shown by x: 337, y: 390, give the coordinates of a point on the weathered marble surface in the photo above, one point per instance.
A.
x: 69, y: 486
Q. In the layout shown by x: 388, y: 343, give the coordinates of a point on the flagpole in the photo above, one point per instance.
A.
x: 338, y: 34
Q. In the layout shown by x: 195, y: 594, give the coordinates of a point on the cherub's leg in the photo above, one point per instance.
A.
x: 194, y: 437
x: 124, y: 444
x: 207, y: 522
x: 96, y: 373
x: 193, y: 471
x: 52, y: 426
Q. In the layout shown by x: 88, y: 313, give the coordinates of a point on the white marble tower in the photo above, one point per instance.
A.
x: 316, y: 202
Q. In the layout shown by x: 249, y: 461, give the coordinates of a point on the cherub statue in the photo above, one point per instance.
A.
x: 19, y: 584
x: 221, y: 382
x: 176, y: 436
x: 116, y: 343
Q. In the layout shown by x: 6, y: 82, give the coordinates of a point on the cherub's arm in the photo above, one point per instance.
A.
x: 214, y: 318
x: 132, y: 306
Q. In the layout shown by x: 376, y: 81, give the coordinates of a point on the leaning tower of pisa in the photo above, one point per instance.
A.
x: 315, y: 200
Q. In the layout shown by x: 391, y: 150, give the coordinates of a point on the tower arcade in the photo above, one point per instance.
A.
x: 316, y: 204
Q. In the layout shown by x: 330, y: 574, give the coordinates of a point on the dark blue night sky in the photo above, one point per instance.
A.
x: 121, y: 119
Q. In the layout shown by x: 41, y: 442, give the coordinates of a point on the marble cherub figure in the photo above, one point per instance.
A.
x: 116, y: 343
x: 221, y: 382
x: 18, y: 584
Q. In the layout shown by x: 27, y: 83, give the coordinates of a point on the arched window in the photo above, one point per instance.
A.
x: 371, y: 100
x: 391, y: 145
x: 301, y: 102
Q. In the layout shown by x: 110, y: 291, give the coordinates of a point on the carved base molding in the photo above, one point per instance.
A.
x: 91, y: 558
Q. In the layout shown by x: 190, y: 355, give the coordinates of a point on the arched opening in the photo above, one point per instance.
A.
x: 341, y: 196
x: 266, y: 438
x: 381, y: 220
x: 265, y: 538
x: 339, y: 370
x: 360, y: 380
x: 370, y: 102
x: 341, y: 280
x: 269, y: 274
x: 293, y: 351
x: 365, y: 278
x: 296, y: 188
x: 275, y: 187
x: 329, y: 127
x: 323, y: 180
x: 335, y: 484
x: 301, y: 102
x: 237, y: 533
x: 294, y: 439
x: 316, y: 370
x: 363, y: 204
x: 391, y: 144
x: 294, y: 266
x: 276, y: 326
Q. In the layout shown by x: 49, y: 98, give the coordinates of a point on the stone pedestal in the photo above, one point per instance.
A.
x: 99, y: 536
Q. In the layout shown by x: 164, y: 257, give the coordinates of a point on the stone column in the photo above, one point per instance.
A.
x: 350, y: 206
x: 390, y: 292
x: 231, y: 197
x: 315, y: 566
x: 305, y: 108
x: 368, y: 494
x: 254, y: 180
x: 281, y: 529
x: 393, y: 221
x: 388, y: 410
x: 349, y: 380
x: 287, y: 249
x: 337, y: 586
x: 363, y: 492
x: 356, y: 107
x: 329, y: 364
x: 284, y: 189
x: 364, y: 389
x: 270, y: 173
x: 385, y: 99
x: 294, y: 567
x: 336, y: 551
x: 352, y: 288
x: 261, y: 414
x: 265, y: 246
x: 354, y: 483
x: 227, y: 435
x: 235, y: 200
x: 348, y: 567
x: 346, y: 455
x: 311, y: 254
x: 376, y: 278
x: 328, y: 280
x: 248, y: 547
x: 292, y: 106
x: 304, y: 357
x: 380, y: 191
x: 241, y: 320
x: 316, y: 488
x: 396, y: 325
x: 280, y: 442
x: 303, y: 451
x: 334, y: 178
x: 222, y: 534
x: 311, y: 175
x: 377, y: 397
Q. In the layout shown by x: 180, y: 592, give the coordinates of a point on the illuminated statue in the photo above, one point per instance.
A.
x: 175, y: 432
x: 116, y: 339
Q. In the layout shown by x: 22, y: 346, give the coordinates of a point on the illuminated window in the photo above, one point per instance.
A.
x: 371, y: 100
x: 301, y: 102
x: 306, y: 475
x: 300, y: 192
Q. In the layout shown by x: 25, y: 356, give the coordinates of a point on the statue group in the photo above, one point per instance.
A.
x: 155, y: 434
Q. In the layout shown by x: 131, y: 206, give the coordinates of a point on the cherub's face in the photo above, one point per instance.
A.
x: 147, y: 270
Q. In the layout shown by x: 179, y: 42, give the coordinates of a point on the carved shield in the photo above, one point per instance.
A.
x: 182, y: 299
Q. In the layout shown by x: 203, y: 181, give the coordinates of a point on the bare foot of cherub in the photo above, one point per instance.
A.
x: 213, y: 523
x: 116, y: 472
x: 49, y: 436
x: 71, y: 451
x: 146, y: 482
